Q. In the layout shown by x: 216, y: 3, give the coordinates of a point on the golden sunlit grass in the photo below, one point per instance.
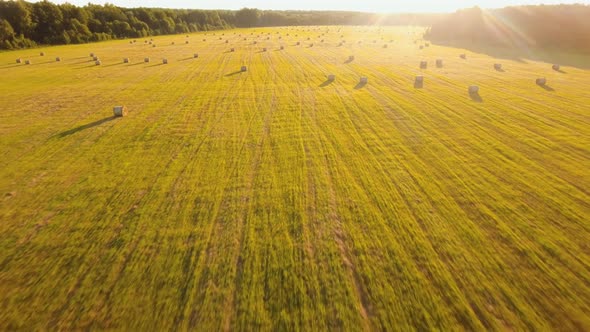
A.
x: 278, y: 199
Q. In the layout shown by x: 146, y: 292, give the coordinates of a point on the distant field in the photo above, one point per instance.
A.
x: 275, y: 199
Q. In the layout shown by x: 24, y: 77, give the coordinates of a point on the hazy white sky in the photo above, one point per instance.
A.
x: 382, y: 6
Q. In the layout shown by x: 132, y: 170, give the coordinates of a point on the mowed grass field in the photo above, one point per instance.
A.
x: 274, y: 199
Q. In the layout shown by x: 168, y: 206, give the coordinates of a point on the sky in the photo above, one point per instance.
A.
x: 377, y: 6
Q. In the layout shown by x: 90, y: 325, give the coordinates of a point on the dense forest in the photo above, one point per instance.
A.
x: 563, y: 27
x: 24, y: 24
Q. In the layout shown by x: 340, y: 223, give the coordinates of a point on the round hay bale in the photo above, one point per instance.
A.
x: 126, y: 60
x: 473, y: 89
x: 19, y: 60
x: 95, y: 58
x: 146, y: 60
x: 120, y: 111
x: 364, y: 80
x: 556, y: 67
x: 186, y: 42
x: 243, y: 69
x: 232, y: 49
x: 463, y: 56
x: 165, y: 61
x: 282, y: 47
x: 92, y: 55
x: 57, y: 59
x: 541, y: 81
x: 196, y: 55
x: 423, y: 64
x: 27, y: 62
x: 419, y: 79
x: 97, y: 62
x: 298, y: 43
x: 331, y: 77
x: 42, y: 54
x: 264, y: 49
x: 154, y: 45
x: 173, y: 43
x: 498, y: 66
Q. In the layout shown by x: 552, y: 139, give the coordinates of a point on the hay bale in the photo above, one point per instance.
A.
x: 154, y: 45
x: 204, y: 40
x: 463, y: 56
x: 364, y: 80
x: 150, y: 43
x: 92, y: 55
x: 298, y: 43
x: 19, y: 60
x: 95, y: 58
x: 419, y: 79
x: 97, y: 62
x: 130, y: 42
x: 125, y: 60
x: 498, y: 66
x: 439, y: 63
x: 331, y: 77
x: 423, y: 64
x: 232, y: 49
x: 541, y: 81
x: 473, y: 89
x: 42, y: 54
x: 282, y: 47
x: 196, y: 55
x: 227, y: 41
x: 165, y: 61
x: 311, y: 45
x: 119, y: 111
x: 173, y: 43
x: 556, y: 67
x: 243, y: 69
x: 186, y: 42
x: 264, y: 49
x: 146, y: 60
x: 57, y: 59
x: 27, y: 62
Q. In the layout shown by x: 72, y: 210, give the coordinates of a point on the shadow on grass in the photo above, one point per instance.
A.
x: 360, y: 85
x: 156, y: 65
x: 546, y: 87
x: 348, y: 61
x: 86, y: 126
x: 501, y: 70
x: 234, y: 73
x: 475, y: 97
x: 326, y: 83
x: 418, y: 85
x: 185, y: 59
x: 521, y: 54
x: 135, y: 64
x: 560, y: 71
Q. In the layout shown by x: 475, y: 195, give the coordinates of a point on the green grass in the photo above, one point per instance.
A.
x: 272, y: 199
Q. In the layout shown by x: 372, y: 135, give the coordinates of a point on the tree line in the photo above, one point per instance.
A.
x: 557, y: 27
x: 25, y: 24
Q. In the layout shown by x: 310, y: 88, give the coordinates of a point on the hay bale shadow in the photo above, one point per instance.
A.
x: 326, y: 83
x: 348, y: 61
x: 501, y: 70
x: 233, y: 73
x: 185, y: 59
x: 418, y: 85
x: 114, y: 64
x: 546, y: 87
x: 475, y: 97
x: 560, y: 71
x: 156, y: 65
x: 86, y: 126
x: 360, y: 85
